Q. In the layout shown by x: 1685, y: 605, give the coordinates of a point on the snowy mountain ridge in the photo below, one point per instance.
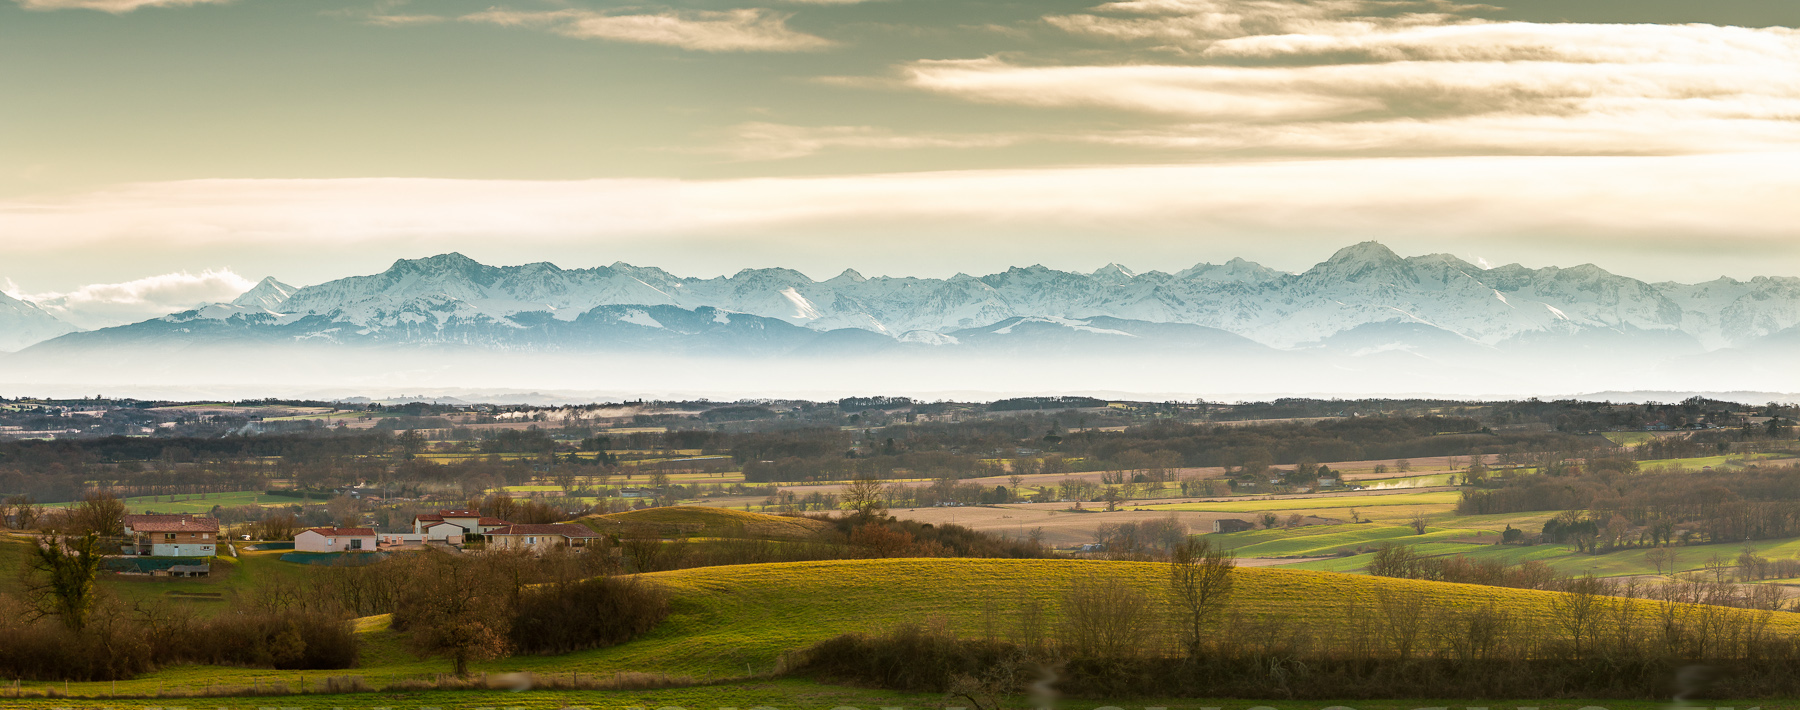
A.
x: 1359, y: 285
x: 23, y: 323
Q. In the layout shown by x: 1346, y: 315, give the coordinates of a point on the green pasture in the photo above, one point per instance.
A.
x: 782, y: 694
x: 1566, y: 560
x: 1402, y: 482
x: 731, y: 623
x: 1431, y: 498
x: 205, y: 596
x: 196, y: 502
x: 1323, y: 540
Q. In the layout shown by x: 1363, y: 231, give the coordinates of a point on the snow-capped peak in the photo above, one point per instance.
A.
x: 268, y: 294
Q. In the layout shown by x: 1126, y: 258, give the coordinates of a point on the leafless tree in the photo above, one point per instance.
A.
x: 1579, y: 610
x: 1200, y: 583
x: 99, y: 513
x: 867, y: 496
x: 1104, y: 617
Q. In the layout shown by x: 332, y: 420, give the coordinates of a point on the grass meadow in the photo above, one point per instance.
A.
x: 732, y: 623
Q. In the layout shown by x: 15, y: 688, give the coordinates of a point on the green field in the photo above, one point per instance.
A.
x: 1565, y: 560
x: 1629, y: 438
x: 1713, y: 461
x: 1425, y: 481
x: 205, y: 596
x: 1325, y: 540
x: 785, y: 694
x: 197, y: 502
x: 1437, y: 499
x: 732, y: 622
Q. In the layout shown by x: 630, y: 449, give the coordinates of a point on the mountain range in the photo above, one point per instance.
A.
x: 453, y: 299
x: 1364, y: 305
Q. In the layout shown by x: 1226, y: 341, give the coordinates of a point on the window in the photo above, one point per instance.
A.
x: 168, y: 536
x: 531, y: 541
x: 356, y: 543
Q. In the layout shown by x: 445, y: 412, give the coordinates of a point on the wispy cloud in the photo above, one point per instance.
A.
x: 1337, y: 76
x: 397, y: 20
x: 102, y: 305
x: 741, y: 30
x: 1189, y: 25
x: 112, y: 6
x: 774, y: 141
x: 1595, y: 198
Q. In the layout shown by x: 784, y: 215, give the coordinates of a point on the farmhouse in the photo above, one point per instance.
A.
x: 469, y: 523
x: 539, y: 538
x: 335, y: 540
x: 171, y: 535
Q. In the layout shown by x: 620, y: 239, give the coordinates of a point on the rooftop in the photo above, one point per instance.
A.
x: 563, y: 529
x: 169, y: 523
x: 343, y: 532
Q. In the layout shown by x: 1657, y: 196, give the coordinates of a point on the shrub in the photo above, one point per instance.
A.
x: 593, y: 613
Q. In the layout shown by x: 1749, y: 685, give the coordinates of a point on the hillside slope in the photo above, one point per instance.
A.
x: 697, y: 521
x: 729, y: 622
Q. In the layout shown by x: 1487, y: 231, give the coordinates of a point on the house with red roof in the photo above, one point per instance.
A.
x: 179, y: 535
x: 540, y: 538
x: 448, y: 524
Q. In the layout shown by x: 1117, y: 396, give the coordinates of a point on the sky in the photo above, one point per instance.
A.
x: 160, y: 153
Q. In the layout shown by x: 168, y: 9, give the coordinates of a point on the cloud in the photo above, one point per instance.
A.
x: 774, y: 141
x: 1341, y: 76
x: 113, y: 6
x: 740, y: 30
x: 102, y: 305
x: 403, y: 20
x: 1737, y: 198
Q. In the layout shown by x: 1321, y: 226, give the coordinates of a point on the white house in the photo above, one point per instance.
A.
x: 335, y: 540
x: 172, y: 535
x: 467, y: 521
x: 446, y: 532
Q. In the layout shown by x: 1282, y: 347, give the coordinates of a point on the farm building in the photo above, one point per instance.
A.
x: 1231, y: 525
x: 539, y: 538
x: 171, y: 535
x: 335, y: 540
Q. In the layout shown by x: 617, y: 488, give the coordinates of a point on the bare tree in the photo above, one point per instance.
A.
x: 1200, y: 582
x: 867, y: 496
x: 1105, y: 617
x: 1578, y: 611
x: 25, y: 512
x: 100, y: 513
x: 1402, y: 616
x: 1659, y: 558
x: 275, y: 527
